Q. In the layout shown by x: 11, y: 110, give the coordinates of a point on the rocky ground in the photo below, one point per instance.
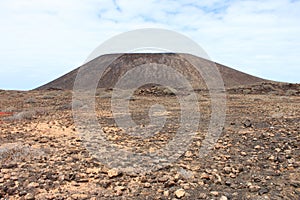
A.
x: 257, y: 155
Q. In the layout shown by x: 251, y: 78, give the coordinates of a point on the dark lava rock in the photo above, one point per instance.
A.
x: 263, y: 191
x: 247, y: 123
x: 9, y: 166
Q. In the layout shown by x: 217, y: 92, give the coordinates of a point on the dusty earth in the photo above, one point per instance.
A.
x: 257, y: 155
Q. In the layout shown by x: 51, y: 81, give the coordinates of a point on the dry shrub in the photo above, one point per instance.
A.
x: 17, y: 152
x: 48, y: 96
x: 28, y: 115
x: 30, y: 100
x: 9, y: 109
x: 67, y: 106
x: 77, y: 103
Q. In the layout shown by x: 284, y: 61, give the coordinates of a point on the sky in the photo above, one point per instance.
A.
x: 44, y: 39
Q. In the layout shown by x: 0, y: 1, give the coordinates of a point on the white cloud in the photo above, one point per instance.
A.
x: 44, y: 39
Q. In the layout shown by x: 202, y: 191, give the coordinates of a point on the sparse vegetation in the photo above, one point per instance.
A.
x: 256, y: 153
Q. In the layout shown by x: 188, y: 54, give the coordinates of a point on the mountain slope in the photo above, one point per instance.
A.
x: 125, y: 62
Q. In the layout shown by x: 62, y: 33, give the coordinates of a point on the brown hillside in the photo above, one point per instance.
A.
x: 125, y: 62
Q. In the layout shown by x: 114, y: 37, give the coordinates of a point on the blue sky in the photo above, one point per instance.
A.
x: 43, y: 39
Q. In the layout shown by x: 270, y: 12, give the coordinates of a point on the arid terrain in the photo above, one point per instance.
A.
x: 257, y: 156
